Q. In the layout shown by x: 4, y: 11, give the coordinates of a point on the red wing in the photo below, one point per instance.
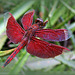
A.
x: 53, y: 35
x: 27, y: 19
x: 43, y: 49
x: 14, y: 31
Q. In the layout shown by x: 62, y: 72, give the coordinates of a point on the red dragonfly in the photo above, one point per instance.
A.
x: 27, y: 36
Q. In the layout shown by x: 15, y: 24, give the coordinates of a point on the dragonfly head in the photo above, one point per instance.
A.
x: 40, y: 22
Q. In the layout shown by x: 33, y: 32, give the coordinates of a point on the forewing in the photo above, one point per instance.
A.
x: 27, y: 19
x: 14, y: 31
x: 43, y: 49
x: 53, y: 35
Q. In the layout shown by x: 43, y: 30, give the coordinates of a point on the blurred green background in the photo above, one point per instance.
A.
x: 60, y: 14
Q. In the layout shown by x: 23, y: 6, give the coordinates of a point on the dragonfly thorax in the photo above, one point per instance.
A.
x: 31, y: 31
x: 34, y: 27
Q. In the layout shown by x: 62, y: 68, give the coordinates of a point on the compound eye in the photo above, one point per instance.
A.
x: 38, y: 20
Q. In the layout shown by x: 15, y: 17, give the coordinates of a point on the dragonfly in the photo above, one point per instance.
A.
x: 27, y: 36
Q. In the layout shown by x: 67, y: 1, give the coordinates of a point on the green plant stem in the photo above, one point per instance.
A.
x: 66, y: 5
x: 51, y: 14
x: 62, y: 24
x: 19, y: 65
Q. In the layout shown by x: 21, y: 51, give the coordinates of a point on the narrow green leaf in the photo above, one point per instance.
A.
x: 72, y: 27
x: 51, y: 13
x: 59, y: 68
x: 66, y: 5
x: 57, y: 13
x: 21, y: 8
x: 6, y: 52
x: 66, y: 20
